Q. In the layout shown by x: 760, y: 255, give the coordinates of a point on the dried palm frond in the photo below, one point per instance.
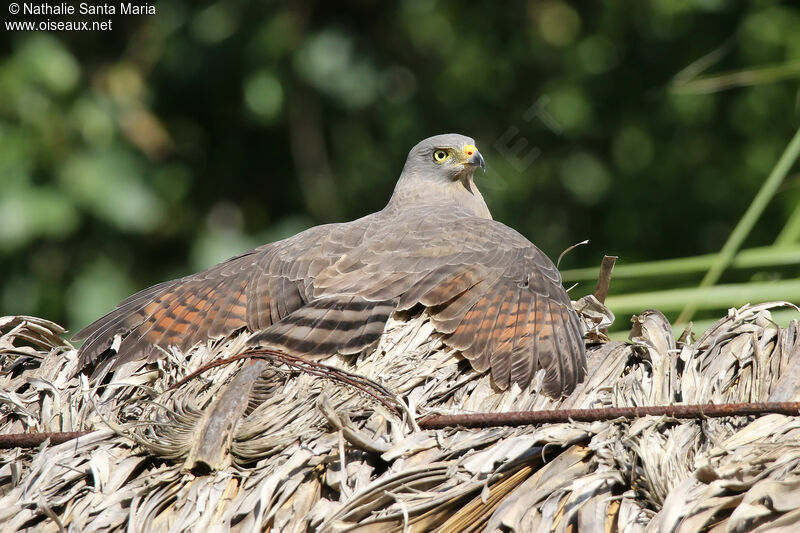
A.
x: 301, y: 450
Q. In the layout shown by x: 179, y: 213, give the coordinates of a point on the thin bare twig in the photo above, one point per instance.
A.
x: 32, y: 440
x: 367, y: 386
x: 515, y: 418
x: 522, y: 418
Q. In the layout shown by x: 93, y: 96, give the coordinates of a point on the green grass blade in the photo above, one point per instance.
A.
x: 740, y: 78
x: 790, y: 234
x: 767, y: 256
x: 715, y: 297
x: 748, y: 220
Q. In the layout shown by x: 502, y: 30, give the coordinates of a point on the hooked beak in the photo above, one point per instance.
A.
x: 473, y: 157
x: 477, y: 161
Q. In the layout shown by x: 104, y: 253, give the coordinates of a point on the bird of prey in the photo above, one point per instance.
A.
x: 493, y: 295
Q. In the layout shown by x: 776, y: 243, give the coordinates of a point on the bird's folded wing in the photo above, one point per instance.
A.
x: 496, y: 297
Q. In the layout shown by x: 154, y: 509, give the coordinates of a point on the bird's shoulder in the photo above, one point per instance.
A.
x: 429, y: 226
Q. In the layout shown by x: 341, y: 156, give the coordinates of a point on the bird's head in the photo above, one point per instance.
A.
x: 450, y: 156
x: 439, y: 170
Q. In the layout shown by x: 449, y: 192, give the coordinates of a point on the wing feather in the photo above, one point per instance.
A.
x: 235, y: 294
x: 491, y: 293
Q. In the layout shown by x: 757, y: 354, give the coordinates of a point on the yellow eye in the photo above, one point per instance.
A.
x: 440, y: 156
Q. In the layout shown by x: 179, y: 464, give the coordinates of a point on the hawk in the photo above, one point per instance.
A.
x: 492, y: 294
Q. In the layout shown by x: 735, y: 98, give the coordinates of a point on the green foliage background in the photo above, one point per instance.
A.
x: 179, y: 139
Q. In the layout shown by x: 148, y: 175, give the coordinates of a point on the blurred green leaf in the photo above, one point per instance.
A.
x: 29, y: 213
x: 109, y: 184
x: 585, y: 177
x: 47, y: 61
x: 264, y: 95
x: 215, y: 23
x: 330, y: 63
x: 96, y: 290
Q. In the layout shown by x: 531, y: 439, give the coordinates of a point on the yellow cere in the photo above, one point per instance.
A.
x: 470, y: 149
